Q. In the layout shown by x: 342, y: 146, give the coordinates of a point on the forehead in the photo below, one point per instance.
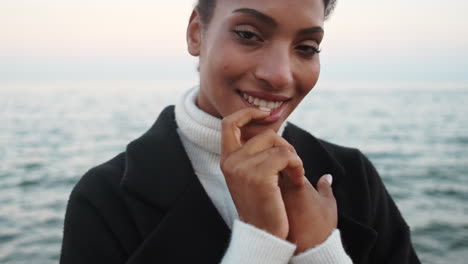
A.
x: 304, y: 13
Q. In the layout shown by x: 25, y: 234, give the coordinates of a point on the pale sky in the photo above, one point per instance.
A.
x: 420, y: 40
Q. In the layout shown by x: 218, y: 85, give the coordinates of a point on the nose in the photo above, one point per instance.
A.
x: 275, y: 68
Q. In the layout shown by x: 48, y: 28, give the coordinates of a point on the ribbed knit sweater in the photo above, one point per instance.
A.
x: 200, y: 134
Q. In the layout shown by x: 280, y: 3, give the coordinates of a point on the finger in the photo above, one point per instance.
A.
x: 324, y: 186
x: 259, y: 170
x: 278, y: 157
x: 264, y: 141
x: 231, y: 128
x: 295, y: 175
x: 275, y: 160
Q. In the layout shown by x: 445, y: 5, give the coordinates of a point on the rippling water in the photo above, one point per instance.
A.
x: 52, y: 133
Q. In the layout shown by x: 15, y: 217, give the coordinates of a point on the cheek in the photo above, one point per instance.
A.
x: 220, y: 58
x: 315, y: 74
x: 229, y: 65
x: 309, y: 77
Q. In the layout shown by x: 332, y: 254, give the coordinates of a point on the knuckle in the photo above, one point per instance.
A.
x: 227, y: 166
x: 273, y: 151
x: 299, y: 161
x: 279, y: 151
x: 284, y: 151
x: 240, y: 171
x: 224, y: 166
x: 255, y: 182
x: 266, y: 135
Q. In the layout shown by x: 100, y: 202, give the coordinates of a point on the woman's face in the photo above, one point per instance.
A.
x: 257, y: 53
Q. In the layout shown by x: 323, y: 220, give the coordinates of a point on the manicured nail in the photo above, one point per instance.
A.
x: 265, y: 109
x: 329, y: 178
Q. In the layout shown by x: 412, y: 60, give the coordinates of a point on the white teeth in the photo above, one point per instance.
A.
x: 263, y: 105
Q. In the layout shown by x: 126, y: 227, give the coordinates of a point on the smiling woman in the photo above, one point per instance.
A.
x: 223, y: 177
x: 235, y: 58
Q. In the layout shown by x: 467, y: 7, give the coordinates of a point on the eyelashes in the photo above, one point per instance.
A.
x: 247, y: 35
x: 251, y: 38
x: 308, y: 50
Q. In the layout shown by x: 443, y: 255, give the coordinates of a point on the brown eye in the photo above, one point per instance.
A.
x: 308, y: 50
x: 247, y: 35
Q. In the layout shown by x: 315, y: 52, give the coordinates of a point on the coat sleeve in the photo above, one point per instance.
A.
x: 86, y: 237
x: 393, y: 243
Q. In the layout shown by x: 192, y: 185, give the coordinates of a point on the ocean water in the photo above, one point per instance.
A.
x: 52, y: 133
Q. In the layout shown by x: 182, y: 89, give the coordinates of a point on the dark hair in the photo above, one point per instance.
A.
x: 206, y: 9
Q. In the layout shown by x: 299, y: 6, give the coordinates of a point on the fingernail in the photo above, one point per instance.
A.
x: 329, y: 178
x: 265, y: 109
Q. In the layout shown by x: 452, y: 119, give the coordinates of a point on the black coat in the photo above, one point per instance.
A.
x: 146, y: 205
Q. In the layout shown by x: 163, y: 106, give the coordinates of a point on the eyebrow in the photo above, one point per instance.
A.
x: 270, y: 21
x: 311, y: 31
x: 260, y: 16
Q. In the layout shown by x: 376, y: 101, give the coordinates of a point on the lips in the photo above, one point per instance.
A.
x: 264, y: 102
x: 274, y: 104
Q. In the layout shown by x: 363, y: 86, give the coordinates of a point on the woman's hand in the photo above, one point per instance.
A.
x: 252, y: 172
x: 312, y: 213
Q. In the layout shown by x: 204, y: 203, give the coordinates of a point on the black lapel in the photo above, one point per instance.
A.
x: 159, y: 173
x: 157, y: 168
x: 317, y: 160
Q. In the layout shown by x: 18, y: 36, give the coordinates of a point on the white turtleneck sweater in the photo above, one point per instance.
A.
x: 200, y: 134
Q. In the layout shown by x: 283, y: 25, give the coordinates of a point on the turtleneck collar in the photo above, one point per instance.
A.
x: 199, y: 127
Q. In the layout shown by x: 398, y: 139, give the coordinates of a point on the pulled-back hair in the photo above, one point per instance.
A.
x: 206, y: 9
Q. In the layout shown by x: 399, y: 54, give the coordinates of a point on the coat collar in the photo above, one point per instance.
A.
x: 158, y: 168
x: 158, y: 172
x: 316, y: 158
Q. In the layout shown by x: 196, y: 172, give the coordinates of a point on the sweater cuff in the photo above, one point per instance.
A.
x: 253, y: 245
x: 329, y: 252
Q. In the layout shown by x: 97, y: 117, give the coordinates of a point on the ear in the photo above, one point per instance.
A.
x: 194, y: 34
